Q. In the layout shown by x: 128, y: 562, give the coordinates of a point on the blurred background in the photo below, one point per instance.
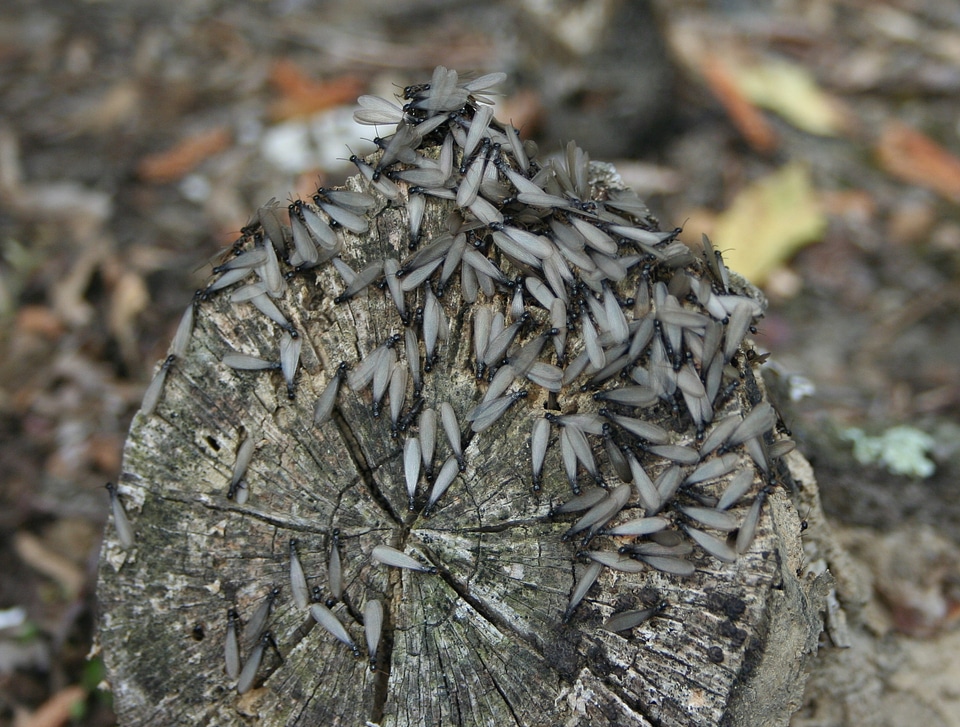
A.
x: 815, y: 141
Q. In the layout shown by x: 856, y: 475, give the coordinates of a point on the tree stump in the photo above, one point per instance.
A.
x: 488, y: 628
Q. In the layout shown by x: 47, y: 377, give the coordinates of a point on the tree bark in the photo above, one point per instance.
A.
x: 481, y: 642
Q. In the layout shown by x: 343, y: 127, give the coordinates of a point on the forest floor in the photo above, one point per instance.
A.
x: 818, y: 144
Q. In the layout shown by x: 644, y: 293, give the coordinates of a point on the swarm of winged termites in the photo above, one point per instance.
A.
x: 583, y: 318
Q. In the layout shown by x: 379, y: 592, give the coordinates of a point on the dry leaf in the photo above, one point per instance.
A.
x: 39, y: 320
x: 768, y: 221
x: 525, y: 110
x: 916, y: 158
x: 35, y: 553
x: 117, y: 106
x: 56, y: 711
x: 103, y: 451
x: 175, y: 163
x: 69, y: 295
x: 743, y: 114
x: 303, y: 96
x: 128, y: 299
x: 790, y: 91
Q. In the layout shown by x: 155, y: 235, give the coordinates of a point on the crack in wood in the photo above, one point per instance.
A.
x: 501, y: 692
x: 385, y: 656
x: 363, y: 467
x: 248, y: 511
x: 498, y: 622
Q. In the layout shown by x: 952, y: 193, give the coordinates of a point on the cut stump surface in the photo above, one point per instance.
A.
x: 493, y: 636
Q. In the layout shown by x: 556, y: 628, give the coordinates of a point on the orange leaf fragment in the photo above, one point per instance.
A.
x: 40, y: 321
x: 916, y: 158
x: 303, y: 96
x: 748, y: 119
x: 178, y: 161
x: 57, y: 710
x: 525, y: 110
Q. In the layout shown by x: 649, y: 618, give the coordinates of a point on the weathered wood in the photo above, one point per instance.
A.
x: 482, y: 641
